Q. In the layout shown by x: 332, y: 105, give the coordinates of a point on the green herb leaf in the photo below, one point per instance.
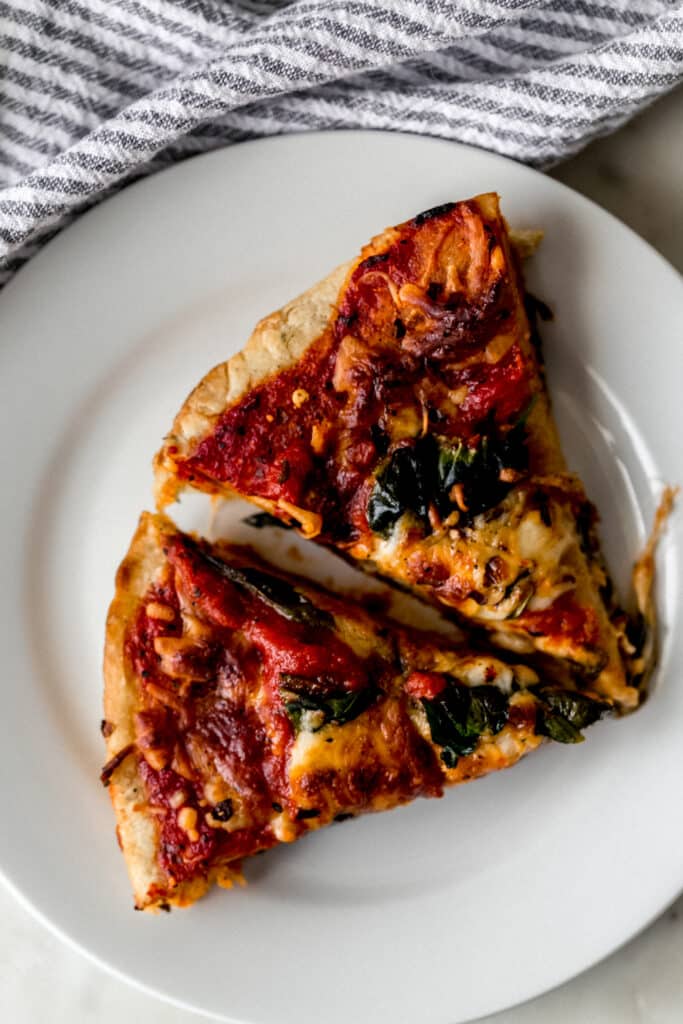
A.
x: 488, y: 710
x: 405, y: 483
x: 460, y: 715
x: 562, y: 714
x: 313, y: 708
x: 558, y: 728
x: 276, y: 593
x: 478, y: 470
x: 454, y: 464
x: 421, y: 473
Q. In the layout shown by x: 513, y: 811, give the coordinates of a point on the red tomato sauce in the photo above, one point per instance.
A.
x: 250, y: 643
x: 425, y: 685
x: 564, y: 618
x: 264, y: 445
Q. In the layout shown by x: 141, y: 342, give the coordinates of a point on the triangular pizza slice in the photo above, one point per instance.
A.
x: 245, y: 707
x: 397, y: 412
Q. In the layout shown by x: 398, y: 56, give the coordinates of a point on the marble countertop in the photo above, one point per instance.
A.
x: 636, y: 175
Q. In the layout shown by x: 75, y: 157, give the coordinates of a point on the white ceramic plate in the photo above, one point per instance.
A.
x: 445, y: 910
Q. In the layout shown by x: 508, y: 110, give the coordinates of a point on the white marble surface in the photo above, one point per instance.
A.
x: 637, y: 175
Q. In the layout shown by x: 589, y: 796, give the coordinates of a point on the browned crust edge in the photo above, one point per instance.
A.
x: 277, y: 343
x: 136, y: 826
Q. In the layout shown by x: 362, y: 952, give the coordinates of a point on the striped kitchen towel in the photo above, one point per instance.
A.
x: 95, y: 93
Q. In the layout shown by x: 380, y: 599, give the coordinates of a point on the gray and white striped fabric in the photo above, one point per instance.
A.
x: 94, y: 93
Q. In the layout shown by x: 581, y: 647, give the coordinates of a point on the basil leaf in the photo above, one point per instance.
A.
x: 558, y: 728
x: 488, y: 710
x: 295, y: 710
x: 405, y: 483
x: 259, y: 520
x: 335, y: 706
x: 454, y: 464
x: 276, y: 593
x: 418, y: 474
x: 562, y: 714
x: 478, y: 470
x: 460, y: 715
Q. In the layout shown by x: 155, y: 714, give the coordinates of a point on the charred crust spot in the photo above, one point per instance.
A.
x: 276, y: 807
x: 436, y: 211
x: 307, y: 812
x: 434, y: 290
x: 106, y: 728
x: 114, y: 762
x: 372, y: 261
x: 223, y: 811
x: 399, y: 328
x: 343, y: 816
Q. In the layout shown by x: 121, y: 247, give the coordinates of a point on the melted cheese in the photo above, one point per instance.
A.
x: 313, y: 751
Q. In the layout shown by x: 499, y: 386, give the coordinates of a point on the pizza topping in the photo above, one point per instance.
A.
x: 425, y: 476
x: 564, y: 618
x: 310, y: 707
x: 156, y: 610
x: 426, y: 685
x: 402, y: 485
x: 460, y: 714
x: 299, y: 397
x: 187, y: 819
x: 275, y: 592
x: 478, y: 478
x: 223, y: 811
x: 562, y: 714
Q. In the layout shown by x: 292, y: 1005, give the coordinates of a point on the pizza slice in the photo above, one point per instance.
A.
x: 244, y: 708
x: 398, y: 413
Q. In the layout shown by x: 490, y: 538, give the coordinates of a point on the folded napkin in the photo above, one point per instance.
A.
x: 95, y: 93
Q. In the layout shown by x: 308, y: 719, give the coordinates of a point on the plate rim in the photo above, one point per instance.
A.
x: 664, y: 266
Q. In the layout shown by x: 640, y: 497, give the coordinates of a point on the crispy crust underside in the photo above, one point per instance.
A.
x: 137, y: 829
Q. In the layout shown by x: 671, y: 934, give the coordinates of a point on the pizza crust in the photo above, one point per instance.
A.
x: 136, y: 827
x: 278, y: 342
